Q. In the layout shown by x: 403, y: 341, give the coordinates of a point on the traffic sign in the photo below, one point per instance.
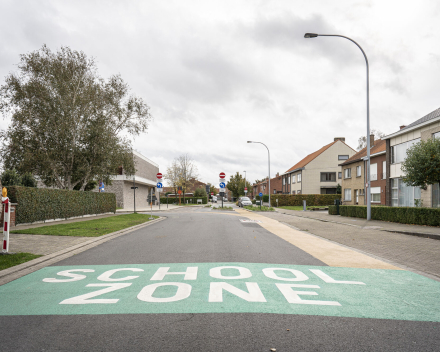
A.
x: 222, y: 185
x: 222, y: 175
x: 159, y: 175
x: 179, y: 191
x: 212, y: 193
x: 245, y: 188
x: 159, y: 185
x: 260, y: 194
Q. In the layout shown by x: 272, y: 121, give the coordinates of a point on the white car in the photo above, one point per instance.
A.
x: 243, y: 201
x: 214, y: 199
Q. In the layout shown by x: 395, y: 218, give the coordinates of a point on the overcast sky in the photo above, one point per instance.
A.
x: 219, y: 73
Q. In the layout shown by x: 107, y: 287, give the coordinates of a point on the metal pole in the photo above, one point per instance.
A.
x: 134, y: 195
x: 312, y: 35
x: 151, y: 218
x: 268, y: 161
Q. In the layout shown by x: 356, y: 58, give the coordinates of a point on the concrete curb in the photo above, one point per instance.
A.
x: 15, y: 272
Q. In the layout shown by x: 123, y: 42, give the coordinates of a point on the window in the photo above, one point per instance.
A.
x: 403, y: 195
x: 299, y: 177
x: 288, y: 179
x: 436, y: 135
x: 358, y: 171
x: 342, y: 157
x: 398, y: 152
x: 339, y: 175
x: 284, y: 181
x: 347, y: 173
x: 384, y: 170
x: 293, y: 178
x: 375, y: 194
x: 298, y: 192
x: 328, y: 176
x: 436, y: 194
x: 293, y: 192
x: 347, y: 194
x: 373, y: 172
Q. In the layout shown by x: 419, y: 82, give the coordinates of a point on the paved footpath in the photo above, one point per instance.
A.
x: 211, y: 280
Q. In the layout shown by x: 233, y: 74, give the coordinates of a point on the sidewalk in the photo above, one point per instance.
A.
x: 415, y: 230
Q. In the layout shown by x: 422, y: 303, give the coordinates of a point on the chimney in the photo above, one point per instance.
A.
x: 339, y: 138
x: 278, y: 174
x: 403, y: 126
x: 371, y: 140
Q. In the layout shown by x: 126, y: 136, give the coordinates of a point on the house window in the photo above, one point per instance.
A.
x: 339, y: 175
x: 403, y: 195
x: 288, y: 179
x: 299, y: 177
x: 298, y: 192
x: 436, y: 135
x: 347, y: 194
x: 375, y: 194
x: 436, y: 194
x: 347, y: 173
x: 328, y: 176
x: 293, y: 192
x: 293, y: 178
x: 373, y: 172
x: 342, y: 157
x: 384, y: 170
x: 398, y: 151
x: 284, y: 181
x: 358, y: 171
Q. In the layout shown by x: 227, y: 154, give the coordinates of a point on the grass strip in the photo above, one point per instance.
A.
x: 90, y: 228
x: 257, y: 208
x: 224, y: 208
x: 8, y: 260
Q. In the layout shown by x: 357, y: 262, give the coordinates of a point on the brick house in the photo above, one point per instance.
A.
x: 354, y: 176
x: 397, y: 143
x: 263, y: 186
x: 319, y: 172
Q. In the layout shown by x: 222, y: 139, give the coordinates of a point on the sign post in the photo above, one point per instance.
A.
x: 222, y: 185
x: 134, y: 195
x: 261, y: 198
x: 151, y: 218
x: 6, y: 220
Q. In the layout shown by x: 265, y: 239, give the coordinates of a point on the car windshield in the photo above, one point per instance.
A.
x: 245, y: 198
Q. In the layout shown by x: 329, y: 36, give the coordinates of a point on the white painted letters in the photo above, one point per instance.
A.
x: 190, y: 273
x: 293, y: 296
x: 329, y: 280
x: 106, y: 276
x: 84, y: 299
x: 299, y: 275
x: 216, y: 273
x: 69, y: 273
x: 254, y: 293
x: 183, y: 291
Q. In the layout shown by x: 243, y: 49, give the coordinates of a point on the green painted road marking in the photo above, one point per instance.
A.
x: 223, y: 288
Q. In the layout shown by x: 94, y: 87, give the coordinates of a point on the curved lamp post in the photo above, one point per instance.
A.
x: 314, y: 35
x: 268, y: 158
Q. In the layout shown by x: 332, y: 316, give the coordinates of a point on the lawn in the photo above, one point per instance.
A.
x: 8, y: 260
x: 257, y: 208
x: 90, y: 228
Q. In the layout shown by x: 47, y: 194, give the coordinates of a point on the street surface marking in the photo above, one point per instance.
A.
x: 223, y: 288
x: 250, y: 221
x: 327, y: 252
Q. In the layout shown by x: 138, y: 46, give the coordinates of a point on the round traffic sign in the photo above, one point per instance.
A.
x: 159, y: 175
x: 222, y: 175
x: 212, y: 193
x: 261, y: 194
x: 245, y: 188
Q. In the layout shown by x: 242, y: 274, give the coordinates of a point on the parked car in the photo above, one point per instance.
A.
x: 214, y: 199
x: 243, y: 201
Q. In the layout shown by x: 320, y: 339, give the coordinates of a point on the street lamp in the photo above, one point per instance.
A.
x: 268, y: 159
x: 314, y: 35
x: 245, y: 182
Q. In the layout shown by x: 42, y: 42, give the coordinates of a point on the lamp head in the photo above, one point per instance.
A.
x: 249, y: 141
x: 310, y: 35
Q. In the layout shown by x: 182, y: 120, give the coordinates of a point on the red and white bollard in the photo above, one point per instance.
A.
x: 6, y: 220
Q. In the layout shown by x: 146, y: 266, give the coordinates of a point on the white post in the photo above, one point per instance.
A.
x: 6, y: 220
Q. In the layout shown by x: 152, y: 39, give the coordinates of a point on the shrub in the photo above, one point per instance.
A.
x: 265, y: 198
x: 332, y: 210
x: 175, y: 200
x: 403, y: 215
x: 297, y: 199
x: 10, y: 178
x: 200, y: 192
x: 39, y: 204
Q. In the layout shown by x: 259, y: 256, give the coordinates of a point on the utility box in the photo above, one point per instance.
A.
x: 337, y: 203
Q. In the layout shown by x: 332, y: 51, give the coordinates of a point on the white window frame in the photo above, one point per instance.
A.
x: 373, y: 172
x: 384, y: 170
x: 345, y: 194
x: 405, y: 145
x: 374, y: 191
x: 347, y: 173
x: 358, y: 171
x: 293, y: 179
x: 299, y: 177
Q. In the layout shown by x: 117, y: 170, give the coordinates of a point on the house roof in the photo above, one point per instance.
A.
x: 313, y: 156
x: 424, y: 120
x: 379, y: 146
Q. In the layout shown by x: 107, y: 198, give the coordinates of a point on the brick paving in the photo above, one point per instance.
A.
x: 421, y: 254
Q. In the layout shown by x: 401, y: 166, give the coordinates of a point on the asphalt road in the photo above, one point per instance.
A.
x: 213, y: 242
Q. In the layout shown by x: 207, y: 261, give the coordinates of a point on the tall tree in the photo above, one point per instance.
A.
x: 236, y: 185
x: 68, y: 124
x: 362, y: 141
x: 172, y: 175
x: 182, y: 173
x: 422, y: 164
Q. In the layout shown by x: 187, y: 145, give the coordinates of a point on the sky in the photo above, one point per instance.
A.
x: 219, y: 73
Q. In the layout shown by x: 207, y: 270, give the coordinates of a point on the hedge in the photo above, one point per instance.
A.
x: 39, y: 204
x: 265, y: 198
x: 297, y: 199
x: 172, y: 200
x: 403, y: 215
x: 332, y: 210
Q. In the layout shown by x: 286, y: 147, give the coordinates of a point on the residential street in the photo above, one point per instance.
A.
x: 212, y: 280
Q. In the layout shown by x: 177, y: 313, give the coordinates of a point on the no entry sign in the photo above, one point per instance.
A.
x: 159, y: 175
x: 222, y: 175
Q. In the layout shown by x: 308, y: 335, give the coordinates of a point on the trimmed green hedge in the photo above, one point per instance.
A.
x: 415, y: 216
x: 39, y: 204
x: 265, y: 198
x: 332, y: 210
x: 172, y: 200
x: 297, y: 199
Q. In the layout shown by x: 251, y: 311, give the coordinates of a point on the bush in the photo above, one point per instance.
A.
x: 415, y: 216
x: 28, y: 180
x: 332, y: 210
x: 265, y: 198
x: 173, y: 200
x: 39, y: 204
x: 10, y: 178
x: 200, y: 192
x: 297, y: 199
